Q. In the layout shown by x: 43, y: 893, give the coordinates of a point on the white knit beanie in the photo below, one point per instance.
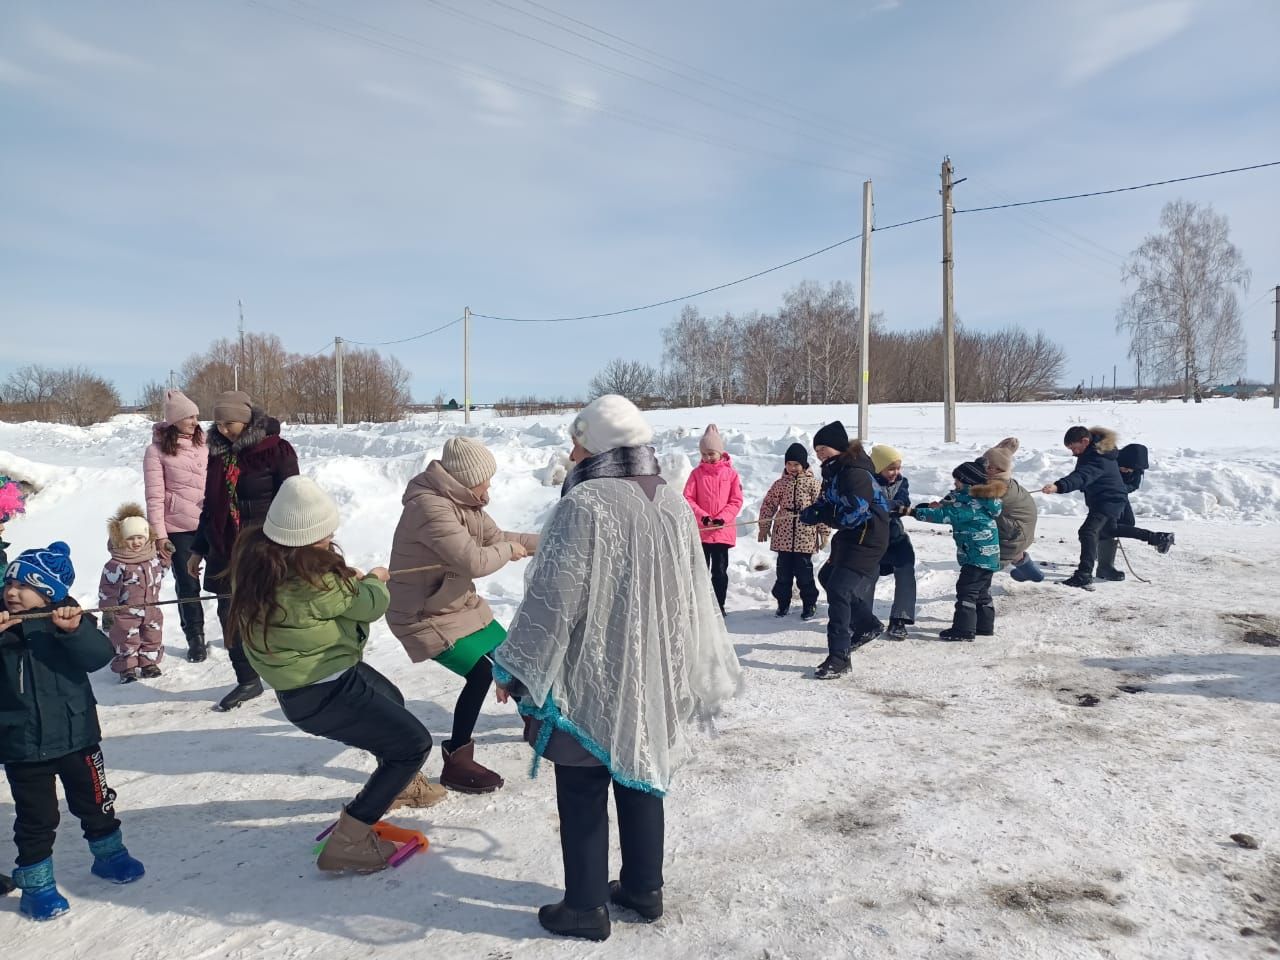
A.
x: 135, y: 527
x: 609, y: 422
x: 301, y: 514
x: 468, y: 461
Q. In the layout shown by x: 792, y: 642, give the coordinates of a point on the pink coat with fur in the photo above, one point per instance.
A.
x: 715, y: 490
x: 174, y: 485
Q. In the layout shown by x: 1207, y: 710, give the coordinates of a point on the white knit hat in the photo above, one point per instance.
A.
x: 609, y: 422
x: 301, y: 514
x: 135, y: 527
x: 468, y: 461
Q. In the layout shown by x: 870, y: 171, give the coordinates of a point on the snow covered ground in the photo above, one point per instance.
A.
x: 1066, y: 789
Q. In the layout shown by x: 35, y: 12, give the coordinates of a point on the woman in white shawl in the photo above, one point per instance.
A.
x: 617, y: 647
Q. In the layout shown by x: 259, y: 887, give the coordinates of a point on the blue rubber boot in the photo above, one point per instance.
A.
x: 40, y: 897
x: 111, y: 861
x: 1026, y: 570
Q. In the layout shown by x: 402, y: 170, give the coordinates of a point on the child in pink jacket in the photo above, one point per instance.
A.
x: 714, y: 491
x: 132, y: 577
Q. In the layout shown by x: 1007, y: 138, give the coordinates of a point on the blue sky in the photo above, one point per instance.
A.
x: 161, y: 161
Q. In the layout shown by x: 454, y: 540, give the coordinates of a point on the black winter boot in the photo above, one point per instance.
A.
x: 242, y: 693
x: 809, y: 612
x: 1163, y: 542
x: 648, y: 905
x: 833, y: 667
x: 1078, y: 579
x: 867, y: 635
x: 783, y: 609
x: 197, y: 650
x: 1107, y: 562
x: 587, y: 924
x: 985, y: 625
x: 897, y: 629
x: 6, y: 884
x: 964, y: 623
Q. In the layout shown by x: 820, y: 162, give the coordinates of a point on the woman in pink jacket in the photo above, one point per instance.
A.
x: 173, y: 471
x: 714, y: 491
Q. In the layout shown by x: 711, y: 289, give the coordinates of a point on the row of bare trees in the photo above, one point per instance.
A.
x: 297, y: 388
x: 808, y: 352
x: 73, y: 395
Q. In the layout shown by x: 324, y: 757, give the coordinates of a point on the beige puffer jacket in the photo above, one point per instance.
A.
x: 443, y: 523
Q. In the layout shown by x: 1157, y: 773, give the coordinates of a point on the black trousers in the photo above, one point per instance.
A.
x: 467, y: 710
x: 973, y: 599
x: 717, y: 555
x: 239, y: 660
x: 1098, y: 526
x: 797, y: 567
x: 364, y: 709
x: 582, y: 797
x: 190, y: 615
x: 850, y: 596
x: 35, y: 801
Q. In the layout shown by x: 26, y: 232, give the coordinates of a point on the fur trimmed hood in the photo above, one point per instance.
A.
x: 115, y: 535
x: 991, y: 490
x: 1104, y: 438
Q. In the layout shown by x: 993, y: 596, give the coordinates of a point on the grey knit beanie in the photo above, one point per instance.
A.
x: 468, y: 461
x: 301, y: 514
x: 234, y: 406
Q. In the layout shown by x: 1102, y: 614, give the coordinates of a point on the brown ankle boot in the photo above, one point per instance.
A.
x: 354, y: 846
x: 462, y: 773
x: 420, y: 792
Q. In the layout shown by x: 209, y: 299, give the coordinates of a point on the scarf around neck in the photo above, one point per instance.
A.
x: 619, y: 463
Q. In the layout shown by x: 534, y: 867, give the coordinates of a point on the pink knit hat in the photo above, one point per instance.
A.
x: 178, y: 406
x: 711, y: 441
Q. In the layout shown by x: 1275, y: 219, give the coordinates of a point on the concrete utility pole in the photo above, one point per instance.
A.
x: 864, y: 310
x: 1275, y: 381
x: 173, y: 380
x: 337, y: 377
x: 948, y: 311
x: 466, y: 364
x: 240, y: 363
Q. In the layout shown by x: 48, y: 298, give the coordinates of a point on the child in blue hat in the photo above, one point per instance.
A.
x: 50, y: 731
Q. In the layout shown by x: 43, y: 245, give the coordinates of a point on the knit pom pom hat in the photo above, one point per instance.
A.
x: 468, y: 461
x: 301, y: 514
x: 47, y: 571
x: 711, y: 441
x: 12, y: 500
x: 999, y: 459
x: 608, y: 423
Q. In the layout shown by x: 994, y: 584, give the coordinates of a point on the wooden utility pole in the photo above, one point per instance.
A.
x: 337, y: 378
x: 466, y: 364
x: 1275, y: 380
x: 948, y: 311
x: 864, y: 311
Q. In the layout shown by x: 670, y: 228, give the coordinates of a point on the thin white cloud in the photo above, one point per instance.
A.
x: 1111, y: 37
x: 17, y: 76
x: 499, y: 105
x: 63, y: 46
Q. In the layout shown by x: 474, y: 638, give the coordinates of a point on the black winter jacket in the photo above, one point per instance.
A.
x: 47, y: 708
x: 1098, y: 475
x: 859, y: 549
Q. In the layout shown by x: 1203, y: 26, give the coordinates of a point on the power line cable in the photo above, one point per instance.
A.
x: 718, y: 83
x: 1102, y: 193
x: 416, y: 336
x: 699, y: 293
x: 527, y: 85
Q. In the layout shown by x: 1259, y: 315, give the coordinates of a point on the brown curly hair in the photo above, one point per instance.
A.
x: 260, y: 567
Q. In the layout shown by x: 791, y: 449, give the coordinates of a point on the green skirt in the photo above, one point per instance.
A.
x: 466, y: 653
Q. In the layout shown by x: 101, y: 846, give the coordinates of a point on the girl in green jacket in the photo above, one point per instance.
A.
x: 303, y: 615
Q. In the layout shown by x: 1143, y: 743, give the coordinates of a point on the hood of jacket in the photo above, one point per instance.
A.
x: 262, y: 430
x: 115, y: 536
x: 991, y: 490
x: 437, y: 481
x: 1104, y: 439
